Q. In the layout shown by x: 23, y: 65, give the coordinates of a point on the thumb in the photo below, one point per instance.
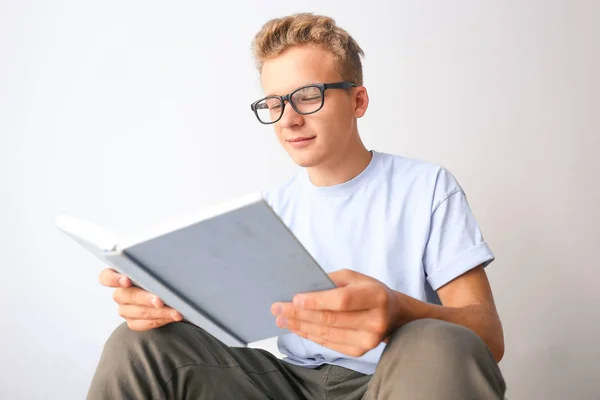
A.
x: 345, y: 277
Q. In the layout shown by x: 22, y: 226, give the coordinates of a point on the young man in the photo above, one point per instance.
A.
x: 413, y: 315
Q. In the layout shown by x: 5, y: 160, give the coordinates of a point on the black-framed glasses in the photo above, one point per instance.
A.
x: 305, y: 100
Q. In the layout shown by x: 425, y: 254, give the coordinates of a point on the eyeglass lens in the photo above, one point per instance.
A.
x: 306, y: 100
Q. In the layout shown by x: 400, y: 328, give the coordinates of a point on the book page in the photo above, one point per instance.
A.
x: 93, y: 237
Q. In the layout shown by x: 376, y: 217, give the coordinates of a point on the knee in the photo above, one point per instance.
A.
x: 438, y: 340
x: 123, y: 335
x: 124, y: 342
x: 460, y: 362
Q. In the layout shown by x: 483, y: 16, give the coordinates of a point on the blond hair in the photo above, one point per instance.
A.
x: 280, y: 34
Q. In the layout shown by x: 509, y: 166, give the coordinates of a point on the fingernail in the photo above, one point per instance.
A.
x: 282, y: 322
x: 277, y: 310
x: 176, y: 316
x: 298, y: 301
x: 122, y: 281
x: 157, y: 302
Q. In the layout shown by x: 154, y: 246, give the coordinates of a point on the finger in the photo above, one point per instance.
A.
x: 141, y: 325
x: 363, y: 320
x: 136, y: 296
x: 347, y: 298
x: 353, y: 349
x: 342, y: 336
x: 128, y: 311
x: 347, y: 349
x: 111, y: 278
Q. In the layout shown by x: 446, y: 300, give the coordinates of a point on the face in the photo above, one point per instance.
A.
x: 325, y: 136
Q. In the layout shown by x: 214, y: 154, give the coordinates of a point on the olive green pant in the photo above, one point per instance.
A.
x: 425, y: 359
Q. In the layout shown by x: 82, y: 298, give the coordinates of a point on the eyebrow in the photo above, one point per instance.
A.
x: 297, y: 87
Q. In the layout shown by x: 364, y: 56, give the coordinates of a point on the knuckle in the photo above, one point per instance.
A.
x: 348, y: 273
x: 168, y: 313
x: 381, y: 297
x: 369, y: 342
x: 377, y: 324
x: 344, y: 301
x: 328, y: 317
x: 145, y: 314
x: 144, y: 298
x: 324, y: 331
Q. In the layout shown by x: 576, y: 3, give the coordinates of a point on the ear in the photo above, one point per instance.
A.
x: 361, y: 101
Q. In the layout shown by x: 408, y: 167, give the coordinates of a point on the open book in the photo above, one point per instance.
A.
x: 222, y: 268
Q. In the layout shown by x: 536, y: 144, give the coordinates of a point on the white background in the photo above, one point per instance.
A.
x: 127, y: 112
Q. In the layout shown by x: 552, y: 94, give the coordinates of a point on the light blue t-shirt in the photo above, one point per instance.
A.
x: 404, y: 222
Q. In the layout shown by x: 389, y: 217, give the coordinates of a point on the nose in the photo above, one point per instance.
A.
x: 290, y: 117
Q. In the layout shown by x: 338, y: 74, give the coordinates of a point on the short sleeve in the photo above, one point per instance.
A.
x: 455, y: 244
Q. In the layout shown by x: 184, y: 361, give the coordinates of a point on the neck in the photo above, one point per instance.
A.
x: 348, y: 164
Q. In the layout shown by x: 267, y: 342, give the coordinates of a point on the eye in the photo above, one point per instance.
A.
x: 308, y: 95
x: 272, y: 104
x: 311, y: 97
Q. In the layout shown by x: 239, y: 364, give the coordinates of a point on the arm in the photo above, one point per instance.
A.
x: 467, y: 301
x: 362, y: 312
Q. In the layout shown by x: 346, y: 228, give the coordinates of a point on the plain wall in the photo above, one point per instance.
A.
x: 125, y: 113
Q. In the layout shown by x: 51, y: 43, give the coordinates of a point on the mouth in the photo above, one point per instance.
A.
x: 300, y: 141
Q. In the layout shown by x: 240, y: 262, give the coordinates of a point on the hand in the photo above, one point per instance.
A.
x: 142, y: 310
x: 352, y: 319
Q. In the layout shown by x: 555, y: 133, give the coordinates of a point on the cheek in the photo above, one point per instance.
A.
x: 277, y: 130
x: 335, y: 122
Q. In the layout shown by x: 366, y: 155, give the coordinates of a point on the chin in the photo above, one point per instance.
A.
x: 305, y: 159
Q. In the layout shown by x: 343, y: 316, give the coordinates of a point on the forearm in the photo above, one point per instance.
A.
x: 480, y: 318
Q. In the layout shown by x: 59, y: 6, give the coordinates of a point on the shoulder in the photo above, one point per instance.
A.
x: 405, y: 165
x: 420, y: 177
x: 409, y: 169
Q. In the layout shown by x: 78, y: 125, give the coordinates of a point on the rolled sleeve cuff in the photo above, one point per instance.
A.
x: 480, y: 254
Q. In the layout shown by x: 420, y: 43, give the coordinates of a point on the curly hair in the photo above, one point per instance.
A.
x: 280, y: 34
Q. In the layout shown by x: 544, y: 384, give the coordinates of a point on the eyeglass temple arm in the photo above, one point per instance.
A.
x: 339, y: 85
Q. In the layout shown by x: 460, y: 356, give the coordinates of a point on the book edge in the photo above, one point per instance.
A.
x: 178, y: 222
